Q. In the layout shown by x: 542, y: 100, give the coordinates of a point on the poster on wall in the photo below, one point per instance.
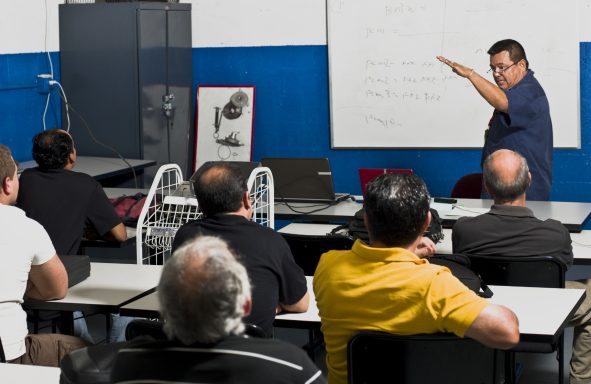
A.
x: 224, y: 123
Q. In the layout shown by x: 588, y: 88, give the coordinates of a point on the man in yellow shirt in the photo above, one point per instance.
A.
x: 385, y: 286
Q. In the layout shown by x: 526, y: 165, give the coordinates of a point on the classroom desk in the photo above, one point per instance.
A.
x: 542, y: 312
x: 28, y: 374
x: 100, y: 167
x: 343, y: 211
x: 581, y: 241
x: 108, y: 287
x: 572, y: 215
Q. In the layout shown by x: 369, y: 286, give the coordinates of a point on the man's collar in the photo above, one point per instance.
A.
x: 511, y: 210
x: 385, y: 254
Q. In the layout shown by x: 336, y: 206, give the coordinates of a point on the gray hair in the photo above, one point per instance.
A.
x: 202, y: 292
x: 504, y: 189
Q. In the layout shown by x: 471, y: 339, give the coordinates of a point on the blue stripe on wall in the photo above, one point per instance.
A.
x: 292, y: 119
x: 292, y: 116
x: 21, y: 105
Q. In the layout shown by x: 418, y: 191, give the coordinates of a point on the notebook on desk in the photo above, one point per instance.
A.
x: 302, y: 179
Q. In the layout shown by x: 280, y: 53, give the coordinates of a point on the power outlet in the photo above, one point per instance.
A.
x: 43, y: 85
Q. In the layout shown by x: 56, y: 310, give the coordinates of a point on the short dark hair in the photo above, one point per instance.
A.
x: 501, y: 190
x: 219, y: 188
x: 52, y: 148
x: 7, y: 164
x: 397, y: 206
x: 516, y: 51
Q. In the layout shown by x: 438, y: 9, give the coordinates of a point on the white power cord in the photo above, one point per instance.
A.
x: 55, y: 82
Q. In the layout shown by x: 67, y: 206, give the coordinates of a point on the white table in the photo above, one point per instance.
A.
x: 542, y: 312
x: 100, y: 167
x: 28, y: 374
x: 572, y: 215
x: 109, y: 286
x: 581, y: 241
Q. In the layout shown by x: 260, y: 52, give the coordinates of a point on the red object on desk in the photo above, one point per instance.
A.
x: 368, y: 174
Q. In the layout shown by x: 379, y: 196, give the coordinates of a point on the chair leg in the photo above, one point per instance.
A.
x: 510, y: 376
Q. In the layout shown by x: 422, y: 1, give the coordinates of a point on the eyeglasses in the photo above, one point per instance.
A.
x: 499, y: 70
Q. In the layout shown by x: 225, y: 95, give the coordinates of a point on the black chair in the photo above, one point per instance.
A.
x: 468, y: 187
x: 307, y: 249
x: 531, y: 271
x: 376, y: 357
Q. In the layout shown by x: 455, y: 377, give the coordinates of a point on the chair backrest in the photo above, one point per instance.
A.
x: 307, y: 249
x: 468, y: 187
x: 524, y: 271
x: 438, y: 358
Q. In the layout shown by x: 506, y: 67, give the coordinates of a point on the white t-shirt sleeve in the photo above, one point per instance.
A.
x: 43, y: 249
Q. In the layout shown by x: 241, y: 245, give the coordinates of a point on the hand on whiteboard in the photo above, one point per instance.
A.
x: 459, y: 69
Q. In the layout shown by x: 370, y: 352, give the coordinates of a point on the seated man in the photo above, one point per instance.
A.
x: 384, y: 286
x: 510, y: 228
x: 66, y: 203
x: 279, y: 283
x: 62, y: 200
x: 29, y: 267
x: 204, y: 293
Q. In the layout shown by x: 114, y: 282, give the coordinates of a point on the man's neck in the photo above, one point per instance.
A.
x: 241, y: 212
x: 519, y: 202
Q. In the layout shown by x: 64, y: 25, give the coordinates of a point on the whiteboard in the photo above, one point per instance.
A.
x: 387, y: 90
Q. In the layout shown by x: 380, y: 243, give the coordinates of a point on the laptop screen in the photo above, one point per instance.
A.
x: 301, y: 179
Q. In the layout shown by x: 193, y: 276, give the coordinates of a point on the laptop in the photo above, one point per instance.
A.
x: 302, y: 179
x: 368, y: 174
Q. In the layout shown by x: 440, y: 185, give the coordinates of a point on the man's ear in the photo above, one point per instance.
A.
x: 528, y: 178
x: 247, y: 307
x: 6, y: 185
x: 427, y: 222
x: 246, y: 201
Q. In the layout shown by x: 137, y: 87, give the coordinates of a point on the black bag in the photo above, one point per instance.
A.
x: 356, y: 228
x: 459, y: 265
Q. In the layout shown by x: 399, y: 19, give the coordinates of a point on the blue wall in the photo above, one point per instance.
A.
x: 292, y: 116
x: 292, y: 119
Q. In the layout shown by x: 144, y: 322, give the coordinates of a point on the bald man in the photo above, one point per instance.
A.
x: 511, y: 229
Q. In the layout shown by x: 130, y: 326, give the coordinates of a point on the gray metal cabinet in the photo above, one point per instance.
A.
x: 126, y: 70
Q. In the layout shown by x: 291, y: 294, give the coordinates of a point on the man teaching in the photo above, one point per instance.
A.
x: 521, y: 119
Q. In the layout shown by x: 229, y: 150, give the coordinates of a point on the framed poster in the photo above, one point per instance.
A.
x: 224, y: 123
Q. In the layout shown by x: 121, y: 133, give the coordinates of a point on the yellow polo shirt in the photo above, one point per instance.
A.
x: 388, y: 290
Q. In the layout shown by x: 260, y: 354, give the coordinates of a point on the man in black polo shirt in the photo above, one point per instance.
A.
x: 62, y: 200
x: 279, y: 283
x: 204, y: 293
x: 511, y: 229
x: 66, y: 203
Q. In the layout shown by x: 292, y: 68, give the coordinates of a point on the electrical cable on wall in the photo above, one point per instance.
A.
x: 103, y: 144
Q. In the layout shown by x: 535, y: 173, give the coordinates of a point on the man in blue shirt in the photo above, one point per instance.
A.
x: 521, y: 119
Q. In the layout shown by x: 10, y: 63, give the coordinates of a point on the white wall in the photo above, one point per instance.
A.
x: 216, y: 23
